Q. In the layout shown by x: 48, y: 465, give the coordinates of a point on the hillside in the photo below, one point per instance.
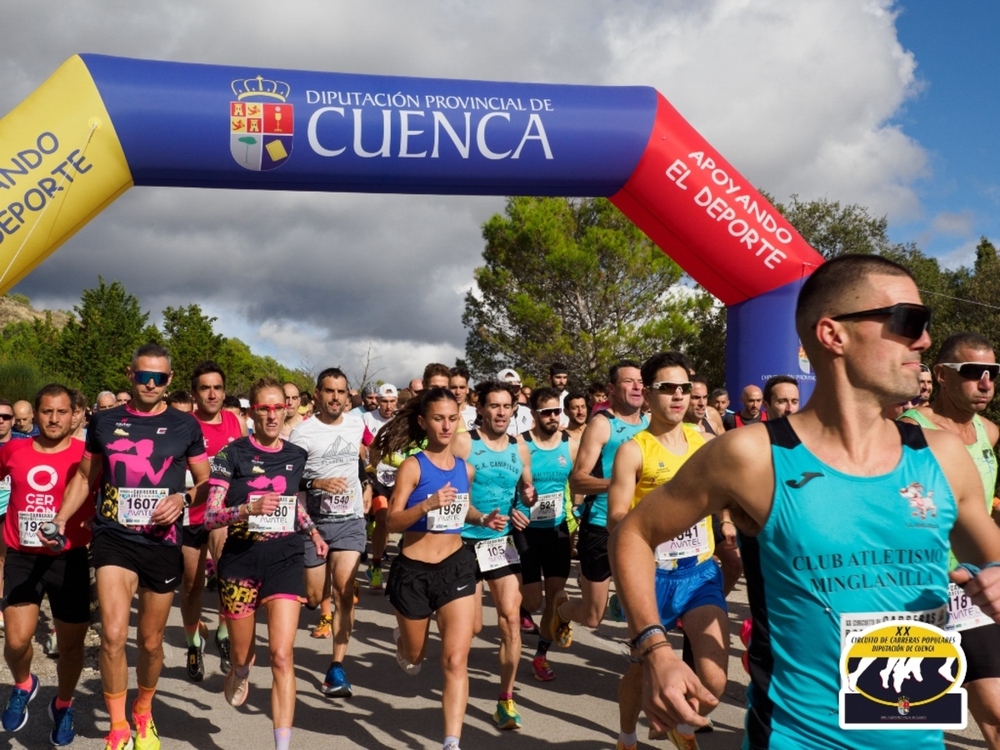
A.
x: 16, y: 307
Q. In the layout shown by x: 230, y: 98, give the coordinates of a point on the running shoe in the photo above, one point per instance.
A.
x: 196, y: 662
x: 452, y: 746
x: 710, y: 727
x: 15, y: 715
x: 562, y: 630
x: 236, y: 688
x: 411, y: 669
x: 615, y: 611
x: 225, y: 653
x: 324, y: 628
x: 119, y: 739
x: 146, y: 736
x: 543, y: 672
x: 62, y: 725
x: 336, y: 685
x: 52, y: 646
x: 528, y: 626
x: 682, y: 741
x: 506, y: 715
x: 374, y: 574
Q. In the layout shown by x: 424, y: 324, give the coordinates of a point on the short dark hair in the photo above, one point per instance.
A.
x: 151, y: 350
x: 459, y: 372
x: 433, y: 369
x: 53, y: 389
x: 961, y: 340
x: 329, y: 372
x: 179, y: 397
x: 823, y: 292
x: 716, y: 392
x: 664, y: 359
x: 231, y: 402
x: 205, y: 367
x: 487, y: 387
x: 79, y: 400
x: 696, y: 378
x: 558, y: 368
x: 538, y: 395
x: 613, y: 370
x: 572, y: 396
x: 777, y: 380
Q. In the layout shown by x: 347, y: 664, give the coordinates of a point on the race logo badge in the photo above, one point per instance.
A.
x: 880, y: 662
x: 804, y: 364
x: 920, y: 504
x: 261, y: 123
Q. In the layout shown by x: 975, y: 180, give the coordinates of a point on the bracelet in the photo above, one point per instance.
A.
x: 729, y: 522
x: 309, y: 484
x: 645, y: 633
x: 247, y: 506
x: 655, y: 646
x: 975, y: 570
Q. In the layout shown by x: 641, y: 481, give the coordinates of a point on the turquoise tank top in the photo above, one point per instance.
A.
x: 550, y: 471
x: 621, y: 431
x: 494, y: 485
x: 835, y: 545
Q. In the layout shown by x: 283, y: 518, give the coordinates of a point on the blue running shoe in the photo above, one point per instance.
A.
x: 62, y: 732
x: 336, y: 685
x: 15, y: 715
x: 615, y: 611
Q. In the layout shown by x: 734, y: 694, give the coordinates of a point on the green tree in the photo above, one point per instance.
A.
x: 832, y: 229
x: 97, y: 345
x: 189, y: 335
x: 572, y: 281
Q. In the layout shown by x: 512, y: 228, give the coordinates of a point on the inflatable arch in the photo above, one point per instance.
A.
x: 102, y: 124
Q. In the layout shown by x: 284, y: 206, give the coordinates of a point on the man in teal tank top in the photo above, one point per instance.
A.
x: 591, y: 477
x: 965, y: 371
x: 825, y: 503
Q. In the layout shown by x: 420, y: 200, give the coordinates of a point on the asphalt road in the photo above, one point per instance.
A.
x: 578, y: 709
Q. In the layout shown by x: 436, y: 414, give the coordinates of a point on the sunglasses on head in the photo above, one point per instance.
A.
x: 974, y: 370
x: 906, y: 319
x: 141, y: 377
x: 665, y: 386
x: 550, y: 412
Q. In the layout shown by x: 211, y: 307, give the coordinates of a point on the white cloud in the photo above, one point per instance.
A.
x: 954, y: 223
x: 799, y: 97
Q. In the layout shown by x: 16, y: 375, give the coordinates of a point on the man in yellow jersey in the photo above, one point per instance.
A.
x: 688, y: 580
x: 965, y: 370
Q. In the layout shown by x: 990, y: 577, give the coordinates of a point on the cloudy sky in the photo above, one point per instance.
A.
x: 862, y: 101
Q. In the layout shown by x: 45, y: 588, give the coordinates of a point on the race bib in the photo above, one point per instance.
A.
x: 547, y: 507
x: 28, y: 524
x: 386, y: 474
x: 136, y: 504
x: 341, y: 504
x: 500, y: 552
x: 692, y: 543
x: 451, y: 516
x: 282, y: 520
x: 962, y: 613
x: 186, y: 517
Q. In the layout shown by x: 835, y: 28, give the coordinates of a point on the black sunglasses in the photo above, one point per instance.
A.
x: 141, y: 377
x: 974, y: 370
x: 665, y: 386
x: 550, y: 412
x: 906, y: 319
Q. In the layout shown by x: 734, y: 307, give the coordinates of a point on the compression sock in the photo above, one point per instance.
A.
x: 116, y: 709
x: 282, y: 738
x: 193, y: 636
x: 144, y: 702
x: 223, y: 632
x: 628, y: 740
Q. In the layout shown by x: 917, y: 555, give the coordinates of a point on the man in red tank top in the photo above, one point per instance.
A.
x: 219, y: 427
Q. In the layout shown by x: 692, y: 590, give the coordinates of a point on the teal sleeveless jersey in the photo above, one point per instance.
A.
x: 495, y: 483
x: 550, y: 471
x: 836, y: 545
x: 621, y: 432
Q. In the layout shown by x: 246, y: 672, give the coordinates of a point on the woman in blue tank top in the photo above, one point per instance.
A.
x: 434, y: 573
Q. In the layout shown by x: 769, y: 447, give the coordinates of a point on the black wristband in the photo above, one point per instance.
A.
x: 306, y: 484
x: 646, y: 632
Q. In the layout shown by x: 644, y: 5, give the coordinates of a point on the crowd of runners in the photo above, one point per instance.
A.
x: 650, y: 481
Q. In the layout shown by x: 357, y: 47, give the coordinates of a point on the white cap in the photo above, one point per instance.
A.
x: 244, y: 403
x: 387, y: 390
x: 507, y: 375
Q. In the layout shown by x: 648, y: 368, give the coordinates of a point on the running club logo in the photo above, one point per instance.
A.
x: 921, y: 505
x: 902, y: 674
x: 261, y: 123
